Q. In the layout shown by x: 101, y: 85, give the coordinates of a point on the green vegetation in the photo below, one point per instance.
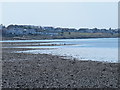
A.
x: 85, y: 35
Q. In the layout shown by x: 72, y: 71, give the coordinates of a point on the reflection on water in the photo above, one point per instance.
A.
x: 101, y: 49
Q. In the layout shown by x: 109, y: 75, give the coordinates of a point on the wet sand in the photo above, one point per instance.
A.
x: 22, y: 70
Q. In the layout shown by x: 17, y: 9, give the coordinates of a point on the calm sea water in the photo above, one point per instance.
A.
x: 99, y: 49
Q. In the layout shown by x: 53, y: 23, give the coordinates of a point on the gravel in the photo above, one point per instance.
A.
x: 22, y: 70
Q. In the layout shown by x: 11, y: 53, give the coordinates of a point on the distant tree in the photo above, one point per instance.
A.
x: 62, y: 33
x: 69, y: 33
x: 110, y: 29
x: 95, y: 29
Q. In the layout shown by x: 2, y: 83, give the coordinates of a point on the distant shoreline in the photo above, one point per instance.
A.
x: 40, y: 32
x: 37, y: 38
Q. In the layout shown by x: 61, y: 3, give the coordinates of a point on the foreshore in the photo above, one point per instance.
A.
x: 22, y: 70
x: 33, y: 37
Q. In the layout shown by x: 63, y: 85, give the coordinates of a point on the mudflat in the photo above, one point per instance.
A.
x: 22, y: 70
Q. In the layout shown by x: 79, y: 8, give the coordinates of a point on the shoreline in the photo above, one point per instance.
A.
x: 36, y: 38
x: 54, y: 48
x: 48, y: 71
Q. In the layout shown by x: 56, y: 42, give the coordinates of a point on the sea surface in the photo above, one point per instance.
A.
x: 95, y: 49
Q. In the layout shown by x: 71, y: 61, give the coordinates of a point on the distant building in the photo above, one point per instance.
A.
x: 48, y: 28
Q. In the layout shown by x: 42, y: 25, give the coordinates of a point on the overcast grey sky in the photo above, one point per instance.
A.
x: 62, y: 14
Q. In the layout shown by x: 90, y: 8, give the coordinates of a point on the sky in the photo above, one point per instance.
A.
x: 61, y: 14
